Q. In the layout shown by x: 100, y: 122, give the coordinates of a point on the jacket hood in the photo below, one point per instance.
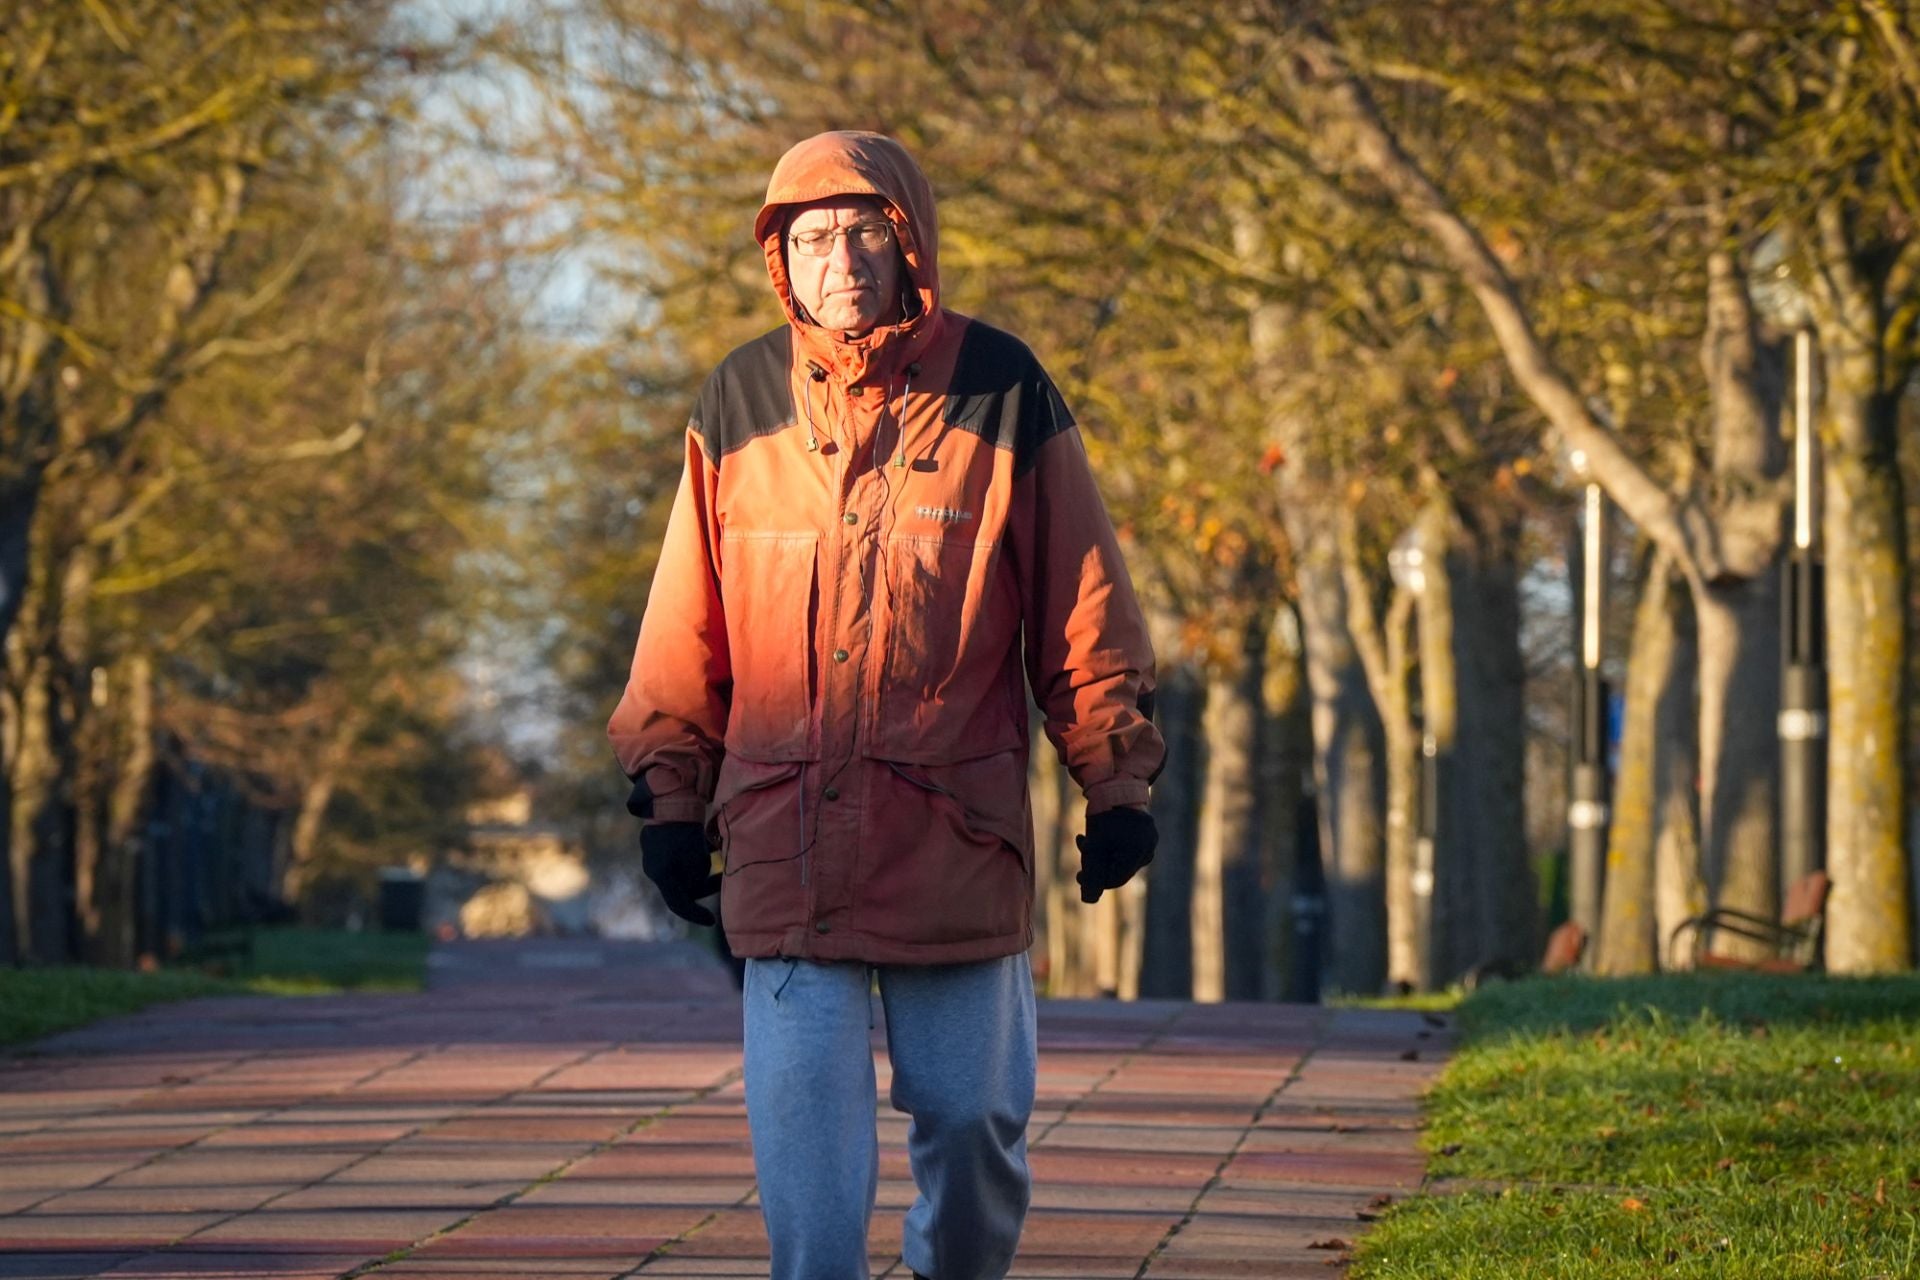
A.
x: 845, y: 162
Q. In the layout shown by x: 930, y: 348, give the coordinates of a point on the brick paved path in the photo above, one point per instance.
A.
x: 560, y: 1111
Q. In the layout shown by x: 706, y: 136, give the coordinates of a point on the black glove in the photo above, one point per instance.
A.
x: 674, y: 856
x: 1118, y: 843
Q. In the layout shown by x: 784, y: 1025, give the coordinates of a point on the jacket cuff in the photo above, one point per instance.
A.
x: 680, y: 808
x: 1116, y: 792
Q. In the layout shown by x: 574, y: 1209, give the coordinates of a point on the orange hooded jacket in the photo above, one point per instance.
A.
x: 869, y: 537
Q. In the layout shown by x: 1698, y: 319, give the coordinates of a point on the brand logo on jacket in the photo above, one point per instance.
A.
x: 947, y: 515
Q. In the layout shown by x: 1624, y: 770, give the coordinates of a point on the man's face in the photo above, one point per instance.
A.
x: 850, y: 289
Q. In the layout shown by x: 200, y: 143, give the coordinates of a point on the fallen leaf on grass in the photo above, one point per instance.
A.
x: 1634, y: 1204
x: 1451, y: 1149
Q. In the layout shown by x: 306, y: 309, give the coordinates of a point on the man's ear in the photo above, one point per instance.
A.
x: 909, y: 292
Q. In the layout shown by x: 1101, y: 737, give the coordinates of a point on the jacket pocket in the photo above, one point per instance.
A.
x: 986, y: 795
x: 953, y: 688
x: 767, y: 582
x: 761, y: 831
x: 948, y: 860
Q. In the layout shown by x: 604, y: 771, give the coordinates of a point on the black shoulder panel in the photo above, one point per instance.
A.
x: 747, y: 396
x: 1001, y: 394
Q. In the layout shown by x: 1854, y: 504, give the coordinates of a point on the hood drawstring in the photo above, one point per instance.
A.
x: 900, y: 419
x: 814, y: 374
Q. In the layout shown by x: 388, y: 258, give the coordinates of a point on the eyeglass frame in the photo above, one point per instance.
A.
x: 834, y: 233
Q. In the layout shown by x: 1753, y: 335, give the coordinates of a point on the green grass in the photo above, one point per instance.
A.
x: 39, y: 1002
x: 1744, y: 1128
x: 295, y: 961
x: 1418, y: 1001
x: 284, y: 961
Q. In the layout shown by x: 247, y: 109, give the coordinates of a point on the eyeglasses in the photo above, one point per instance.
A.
x: 868, y: 237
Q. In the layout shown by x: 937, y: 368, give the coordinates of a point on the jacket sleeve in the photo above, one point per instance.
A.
x: 1088, y: 656
x: 667, y: 730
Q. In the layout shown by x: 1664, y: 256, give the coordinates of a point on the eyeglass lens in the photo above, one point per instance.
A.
x: 865, y: 235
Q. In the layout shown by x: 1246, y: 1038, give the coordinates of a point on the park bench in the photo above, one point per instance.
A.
x: 1565, y: 947
x: 1792, y: 942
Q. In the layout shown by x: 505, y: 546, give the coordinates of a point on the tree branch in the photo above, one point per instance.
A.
x: 1370, y: 143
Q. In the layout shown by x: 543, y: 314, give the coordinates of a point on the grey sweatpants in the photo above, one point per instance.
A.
x: 961, y: 1041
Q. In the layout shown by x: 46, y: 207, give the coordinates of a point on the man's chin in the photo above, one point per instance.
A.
x: 852, y: 323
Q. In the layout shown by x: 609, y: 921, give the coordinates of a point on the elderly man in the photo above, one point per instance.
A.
x: 886, y: 513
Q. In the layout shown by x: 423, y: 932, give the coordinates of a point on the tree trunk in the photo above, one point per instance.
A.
x: 40, y: 847
x: 1167, y: 966
x: 1130, y: 912
x: 1076, y: 933
x: 1863, y: 319
x: 316, y: 793
x: 1657, y: 706
x: 1383, y: 645
x: 1870, y: 915
x: 1286, y: 759
x: 1043, y: 791
x: 1229, y: 910
x: 1206, y: 928
x: 1077, y: 927
x: 1738, y: 634
x: 126, y: 810
x: 1349, y: 779
x: 1492, y: 915
x: 1736, y: 613
x: 40, y: 770
x: 1347, y: 739
x: 18, y: 496
x: 1409, y: 885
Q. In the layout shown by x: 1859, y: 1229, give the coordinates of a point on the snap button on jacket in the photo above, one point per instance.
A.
x: 878, y: 546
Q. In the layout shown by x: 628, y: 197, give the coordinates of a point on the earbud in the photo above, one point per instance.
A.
x: 815, y: 373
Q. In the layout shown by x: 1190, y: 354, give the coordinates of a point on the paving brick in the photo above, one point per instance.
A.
x: 27, y: 1264
x: 134, y: 1199
x: 453, y: 1199
x: 707, y: 1193
x: 112, y: 1230
x: 346, y: 1136
x: 518, y: 1267
x: 182, y: 1264
x: 54, y: 1172
x: 370, y: 1232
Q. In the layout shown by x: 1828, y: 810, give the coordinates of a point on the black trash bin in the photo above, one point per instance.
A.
x: 403, y: 899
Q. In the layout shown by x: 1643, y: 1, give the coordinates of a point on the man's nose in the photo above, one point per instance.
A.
x: 841, y: 258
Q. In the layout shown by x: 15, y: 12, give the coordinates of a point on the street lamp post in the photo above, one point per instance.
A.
x: 1587, y: 800
x: 1803, y: 710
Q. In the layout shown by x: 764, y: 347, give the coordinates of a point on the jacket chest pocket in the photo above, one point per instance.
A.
x: 768, y: 583
x: 951, y: 685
